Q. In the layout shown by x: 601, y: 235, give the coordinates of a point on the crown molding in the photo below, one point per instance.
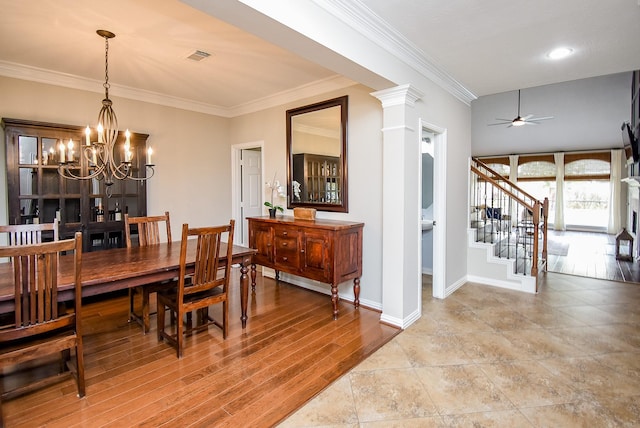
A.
x: 358, y: 16
x: 49, y: 77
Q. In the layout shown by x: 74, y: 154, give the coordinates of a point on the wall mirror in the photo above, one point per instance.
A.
x: 317, y: 156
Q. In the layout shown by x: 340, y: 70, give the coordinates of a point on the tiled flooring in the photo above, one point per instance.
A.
x: 485, y: 356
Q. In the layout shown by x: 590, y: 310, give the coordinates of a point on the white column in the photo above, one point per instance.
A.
x: 401, y: 159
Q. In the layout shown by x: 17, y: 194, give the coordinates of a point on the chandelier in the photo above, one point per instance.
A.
x: 103, y: 159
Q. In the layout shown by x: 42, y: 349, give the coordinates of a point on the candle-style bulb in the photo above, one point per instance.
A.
x: 87, y: 133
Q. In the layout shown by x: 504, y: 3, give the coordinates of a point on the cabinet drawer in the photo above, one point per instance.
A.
x: 287, y: 253
x: 283, y: 232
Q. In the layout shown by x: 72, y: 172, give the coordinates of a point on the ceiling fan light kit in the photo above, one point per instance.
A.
x: 519, y: 120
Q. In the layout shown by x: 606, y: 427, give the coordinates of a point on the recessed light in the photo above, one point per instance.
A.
x: 559, y: 53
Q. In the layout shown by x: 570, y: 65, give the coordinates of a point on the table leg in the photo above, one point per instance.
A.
x: 244, y: 293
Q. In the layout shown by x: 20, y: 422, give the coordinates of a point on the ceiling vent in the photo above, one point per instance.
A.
x: 199, y: 55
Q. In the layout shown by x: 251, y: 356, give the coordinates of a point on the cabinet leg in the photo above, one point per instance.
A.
x: 334, y: 300
x: 277, y: 275
x: 253, y: 277
x: 356, y: 292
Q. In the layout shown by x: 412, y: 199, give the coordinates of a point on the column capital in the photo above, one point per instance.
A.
x: 399, y: 95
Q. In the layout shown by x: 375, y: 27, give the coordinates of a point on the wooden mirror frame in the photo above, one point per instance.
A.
x: 342, y: 206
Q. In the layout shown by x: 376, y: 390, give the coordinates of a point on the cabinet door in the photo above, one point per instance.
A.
x: 316, y: 255
x: 261, y: 238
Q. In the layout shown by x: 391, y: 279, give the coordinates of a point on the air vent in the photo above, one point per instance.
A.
x: 199, y: 55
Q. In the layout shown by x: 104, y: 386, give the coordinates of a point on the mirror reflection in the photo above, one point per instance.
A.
x: 316, y: 146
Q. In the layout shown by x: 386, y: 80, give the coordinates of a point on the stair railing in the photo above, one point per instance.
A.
x: 507, y: 216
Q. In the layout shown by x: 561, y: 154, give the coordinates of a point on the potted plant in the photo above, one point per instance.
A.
x: 278, y: 190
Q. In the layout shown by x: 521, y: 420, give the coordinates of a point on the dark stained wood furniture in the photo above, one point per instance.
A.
x: 38, y: 326
x: 122, y: 268
x: 148, y: 231
x: 207, y: 285
x: 328, y: 251
x: 27, y: 234
x: 37, y: 193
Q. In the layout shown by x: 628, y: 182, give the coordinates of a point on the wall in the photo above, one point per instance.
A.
x: 587, y: 115
x: 364, y: 162
x: 191, y: 150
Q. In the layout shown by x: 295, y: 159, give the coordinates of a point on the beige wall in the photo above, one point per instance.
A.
x: 191, y: 150
x: 364, y: 149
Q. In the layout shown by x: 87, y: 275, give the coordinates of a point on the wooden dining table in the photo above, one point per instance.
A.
x: 121, y: 268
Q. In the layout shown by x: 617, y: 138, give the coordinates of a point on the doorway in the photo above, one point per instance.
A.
x: 247, y: 190
x: 435, y: 210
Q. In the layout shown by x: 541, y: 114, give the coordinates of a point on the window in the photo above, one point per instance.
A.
x: 586, y: 190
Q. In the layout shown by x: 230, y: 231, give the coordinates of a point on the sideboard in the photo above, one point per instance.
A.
x: 328, y: 251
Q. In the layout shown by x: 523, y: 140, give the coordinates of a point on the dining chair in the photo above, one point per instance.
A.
x: 26, y: 234
x: 207, y: 285
x: 148, y: 234
x: 39, y: 324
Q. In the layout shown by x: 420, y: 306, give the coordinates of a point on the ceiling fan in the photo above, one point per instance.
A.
x: 519, y: 120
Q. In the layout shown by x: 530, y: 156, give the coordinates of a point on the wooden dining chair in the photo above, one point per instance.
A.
x: 39, y: 325
x: 148, y: 234
x: 207, y: 285
x: 27, y: 234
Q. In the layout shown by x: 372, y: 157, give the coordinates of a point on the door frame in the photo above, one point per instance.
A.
x: 236, y: 188
x: 439, y: 211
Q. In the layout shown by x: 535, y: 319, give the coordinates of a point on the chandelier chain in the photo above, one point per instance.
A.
x: 106, y: 67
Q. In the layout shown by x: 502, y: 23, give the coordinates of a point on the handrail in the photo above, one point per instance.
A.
x: 507, y: 195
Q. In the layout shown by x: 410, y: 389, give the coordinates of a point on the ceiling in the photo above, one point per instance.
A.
x: 488, y: 47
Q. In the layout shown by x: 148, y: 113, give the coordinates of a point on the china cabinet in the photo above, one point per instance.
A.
x: 37, y: 193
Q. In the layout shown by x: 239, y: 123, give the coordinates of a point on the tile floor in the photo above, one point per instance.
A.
x: 485, y: 356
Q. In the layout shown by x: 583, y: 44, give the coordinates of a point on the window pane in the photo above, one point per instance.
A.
x: 541, y: 190
x: 500, y: 168
x: 587, y: 203
x: 537, y: 169
x: 587, y: 167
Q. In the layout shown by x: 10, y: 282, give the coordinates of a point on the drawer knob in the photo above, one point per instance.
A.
x: 285, y: 233
x: 284, y: 244
x: 285, y: 258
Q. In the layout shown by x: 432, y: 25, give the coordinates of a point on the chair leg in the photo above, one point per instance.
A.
x: 80, y: 368
x: 225, y: 318
x: 132, y: 292
x: 146, y: 324
x: 160, y: 318
x: 179, y: 334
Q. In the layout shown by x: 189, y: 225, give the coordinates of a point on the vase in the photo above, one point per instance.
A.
x: 272, y: 213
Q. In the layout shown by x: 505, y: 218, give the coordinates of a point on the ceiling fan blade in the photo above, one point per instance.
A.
x: 501, y: 123
x: 527, y: 117
x: 540, y: 118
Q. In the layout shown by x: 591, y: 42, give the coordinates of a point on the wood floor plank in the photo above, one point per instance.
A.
x: 290, y: 351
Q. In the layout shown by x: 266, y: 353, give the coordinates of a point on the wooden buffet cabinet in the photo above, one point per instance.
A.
x: 328, y: 251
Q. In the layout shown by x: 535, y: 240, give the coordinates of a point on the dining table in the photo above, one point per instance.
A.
x: 122, y: 268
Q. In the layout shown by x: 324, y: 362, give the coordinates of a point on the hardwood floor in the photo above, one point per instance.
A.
x: 592, y: 255
x: 290, y: 351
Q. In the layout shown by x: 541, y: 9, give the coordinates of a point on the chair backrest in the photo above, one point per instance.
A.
x: 212, y: 265
x: 28, y: 234
x: 148, y: 229
x: 35, y: 278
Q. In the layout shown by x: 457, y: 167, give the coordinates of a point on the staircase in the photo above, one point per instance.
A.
x: 507, y: 233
